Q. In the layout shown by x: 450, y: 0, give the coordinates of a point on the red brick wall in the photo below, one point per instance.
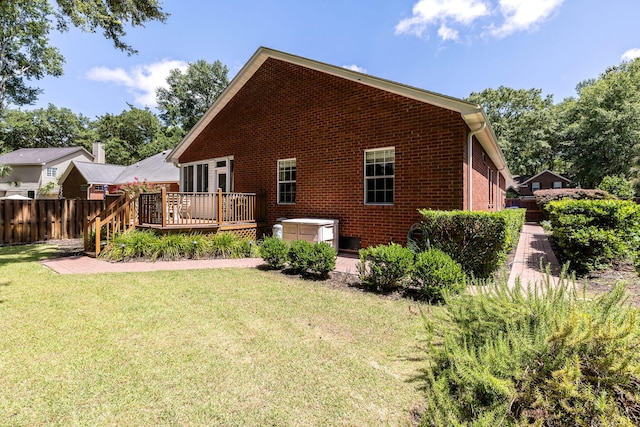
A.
x: 546, y: 182
x: 326, y: 123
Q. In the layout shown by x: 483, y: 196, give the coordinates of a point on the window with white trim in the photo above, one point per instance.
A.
x: 535, y: 186
x: 379, y: 176
x: 195, y: 178
x: 52, y: 172
x: 557, y: 184
x: 287, y: 181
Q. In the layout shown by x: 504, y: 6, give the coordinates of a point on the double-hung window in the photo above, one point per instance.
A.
x: 52, y: 172
x: 195, y: 178
x: 379, y: 176
x: 287, y: 181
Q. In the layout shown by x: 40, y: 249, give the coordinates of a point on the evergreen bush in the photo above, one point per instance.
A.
x: 479, y: 241
x: 618, y: 186
x: 275, y: 252
x: 545, y: 355
x: 591, y: 234
x: 300, y: 254
x: 546, y: 196
x: 323, y: 259
x: 435, y: 274
x: 384, y: 267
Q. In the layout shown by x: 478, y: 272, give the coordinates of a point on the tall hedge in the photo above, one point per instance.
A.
x: 479, y: 241
x: 593, y: 233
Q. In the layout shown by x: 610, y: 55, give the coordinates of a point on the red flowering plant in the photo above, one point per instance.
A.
x: 136, y: 187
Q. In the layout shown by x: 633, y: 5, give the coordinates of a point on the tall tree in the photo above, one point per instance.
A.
x: 601, y: 127
x: 191, y: 93
x: 45, y: 127
x: 133, y: 135
x: 26, y: 53
x: 522, y: 121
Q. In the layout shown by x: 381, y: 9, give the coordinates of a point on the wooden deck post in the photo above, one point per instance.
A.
x: 219, y: 202
x: 163, y: 213
x: 98, y: 231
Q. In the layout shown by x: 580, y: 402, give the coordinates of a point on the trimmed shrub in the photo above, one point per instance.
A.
x: 515, y: 219
x: 436, y: 274
x: 591, y: 234
x: 618, y: 186
x: 275, y: 252
x: 300, y: 254
x: 543, y: 197
x: 323, y: 259
x: 384, y: 267
x: 479, y: 241
x: 545, y: 355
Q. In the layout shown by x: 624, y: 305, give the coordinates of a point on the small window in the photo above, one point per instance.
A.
x: 52, y: 172
x: 557, y: 184
x: 287, y: 181
x: 379, y: 176
x: 535, y: 186
x: 98, y: 188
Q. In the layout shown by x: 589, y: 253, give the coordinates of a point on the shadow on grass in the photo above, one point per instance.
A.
x: 25, y: 253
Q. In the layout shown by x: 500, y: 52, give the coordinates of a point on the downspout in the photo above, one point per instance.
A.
x: 470, y: 163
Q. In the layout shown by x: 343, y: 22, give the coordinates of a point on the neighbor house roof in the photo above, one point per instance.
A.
x: 98, y: 173
x: 472, y: 114
x: 524, y: 179
x: 39, y: 156
x: 153, y: 169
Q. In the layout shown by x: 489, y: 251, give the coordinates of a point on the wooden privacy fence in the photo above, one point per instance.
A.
x: 27, y: 221
x: 534, y: 213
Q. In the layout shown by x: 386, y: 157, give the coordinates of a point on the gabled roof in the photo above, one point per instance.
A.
x: 97, y: 173
x: 40, y: 156
x: 524, y: 179
x: 472, y: 114
x: 153, y: 169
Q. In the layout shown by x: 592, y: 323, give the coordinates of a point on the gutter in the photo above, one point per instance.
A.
x: 470, y: 163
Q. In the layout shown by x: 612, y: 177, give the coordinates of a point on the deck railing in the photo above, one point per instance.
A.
x: 118, y: 217
x: 167, y: 209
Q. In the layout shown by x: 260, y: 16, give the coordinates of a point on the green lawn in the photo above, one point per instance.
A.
x: 203, y: 347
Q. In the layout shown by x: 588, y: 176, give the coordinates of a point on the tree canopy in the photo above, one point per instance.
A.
x: 25, y: 50
x: 191, y: 93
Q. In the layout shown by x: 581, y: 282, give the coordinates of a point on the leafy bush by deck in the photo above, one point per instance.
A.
x: 275, y: 252
x: 618, y: 186
x: 147, y: 245
x: 543, y: 356
x: 593, y: 233
x: 479, y: 241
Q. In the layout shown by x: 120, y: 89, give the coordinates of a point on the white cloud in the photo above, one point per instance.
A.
x: 354, y: 67
x: 499, y: 18
x: 524, y: 14
x: 447, y: 33
x: 631, y: 54
x: 141, y: 81
x: 431, y: 12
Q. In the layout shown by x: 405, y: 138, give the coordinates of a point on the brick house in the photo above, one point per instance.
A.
x: 525, y: 185
x: 322, y: 141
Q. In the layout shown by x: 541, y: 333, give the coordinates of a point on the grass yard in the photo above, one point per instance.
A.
x: 202, y: 347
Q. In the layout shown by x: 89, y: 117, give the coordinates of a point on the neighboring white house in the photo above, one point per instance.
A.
x: 35, y: 171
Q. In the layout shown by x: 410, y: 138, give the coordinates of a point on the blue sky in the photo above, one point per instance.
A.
x: 453, y: 47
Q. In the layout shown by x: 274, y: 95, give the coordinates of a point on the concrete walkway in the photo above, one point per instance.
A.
x: 87, y: 265
x: 532, y: 247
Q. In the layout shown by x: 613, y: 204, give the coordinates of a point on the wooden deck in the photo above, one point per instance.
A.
x: 168, y: 212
